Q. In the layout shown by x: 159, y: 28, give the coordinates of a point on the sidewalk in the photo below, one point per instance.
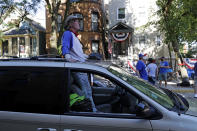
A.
x: 187, y: 91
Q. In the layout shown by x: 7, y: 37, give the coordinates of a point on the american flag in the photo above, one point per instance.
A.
x: 189, y: 62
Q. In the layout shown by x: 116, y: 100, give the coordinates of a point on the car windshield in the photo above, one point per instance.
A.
x: 154, y: 93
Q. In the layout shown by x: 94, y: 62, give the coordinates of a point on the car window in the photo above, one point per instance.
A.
x: 34, y: 90
x: 153, y: 92
x: 100, y: 81
x: 107, y: 95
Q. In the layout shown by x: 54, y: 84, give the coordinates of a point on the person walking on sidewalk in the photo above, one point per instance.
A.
x: 152, y: 71
x: 195, y: 80
x: 163, y: 70
x: 141, y: 68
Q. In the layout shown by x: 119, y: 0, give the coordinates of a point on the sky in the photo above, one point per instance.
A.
x: 40, y: 15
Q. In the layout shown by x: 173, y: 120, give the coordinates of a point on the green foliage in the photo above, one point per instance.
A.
x: 59, y: 50
x: 177, y: 20
x: 189, y: 54
x: 1, y: 36
x: 53, y: 6
x: 22, y: 7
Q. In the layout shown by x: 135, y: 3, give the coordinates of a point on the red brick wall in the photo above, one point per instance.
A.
x: 85, y: 8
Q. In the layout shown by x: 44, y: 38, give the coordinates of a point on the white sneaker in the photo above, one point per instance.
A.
x: 195, y: 95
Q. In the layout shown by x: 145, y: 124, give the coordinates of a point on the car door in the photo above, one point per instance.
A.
x: 103, y: 120
x: 20, y: 121
x: 30, y: 98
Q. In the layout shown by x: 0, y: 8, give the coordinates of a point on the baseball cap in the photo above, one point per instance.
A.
x: 69, y: 18
x: 141, y: 56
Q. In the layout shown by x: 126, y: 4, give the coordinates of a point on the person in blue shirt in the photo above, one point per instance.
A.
x: 71, y: 46
x: 163, y: 71
x: 195, y: 80
x: 141, y: 68
x: 73, y: 52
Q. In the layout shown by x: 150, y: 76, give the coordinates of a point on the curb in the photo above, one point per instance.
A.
x: 180, y: 89
x: 183, y: 91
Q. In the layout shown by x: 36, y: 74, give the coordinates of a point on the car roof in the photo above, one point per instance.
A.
x: 53, y: 62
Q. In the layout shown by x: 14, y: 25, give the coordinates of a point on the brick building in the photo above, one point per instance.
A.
x: 91, y: 32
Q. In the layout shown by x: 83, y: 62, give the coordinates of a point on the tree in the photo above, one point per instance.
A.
x: 178, y: 22
x: 22, y: 7
x: 53, y: 7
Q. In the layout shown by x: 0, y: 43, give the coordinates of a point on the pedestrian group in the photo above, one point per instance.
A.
x: 150, y: 71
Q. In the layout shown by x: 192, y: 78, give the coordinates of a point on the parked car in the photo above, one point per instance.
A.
x: 34, y: 96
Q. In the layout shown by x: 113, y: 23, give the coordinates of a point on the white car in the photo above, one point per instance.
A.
x: 34, y: 96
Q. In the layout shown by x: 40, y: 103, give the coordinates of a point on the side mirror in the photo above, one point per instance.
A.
x: 147, y: 112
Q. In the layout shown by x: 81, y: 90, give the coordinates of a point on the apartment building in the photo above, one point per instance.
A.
x: 91, y: 33
x: 127, y: 34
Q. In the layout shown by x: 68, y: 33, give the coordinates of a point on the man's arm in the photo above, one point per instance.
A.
x: 148, y: 69
x: 138, y: 67
x: 66, y: 42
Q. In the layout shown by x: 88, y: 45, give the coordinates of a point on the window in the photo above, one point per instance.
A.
x: 158, y: 40
x: 34, y: 90
x: 156, y: 94
x: 22, y: 45
x: 95, y: 46
x: 120, y: 48
x: 31, y: 47
x: 80, y: 20
x: 108, y: 96
x: 5, y: 47
x: 59, y: 22
x: 142, y: 39
x: 34, y: 46
x: 95, y: 25
x: 121, y: 13
x: 14, y: 46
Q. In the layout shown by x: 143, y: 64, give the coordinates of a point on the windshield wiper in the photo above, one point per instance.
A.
x: 178, y: 103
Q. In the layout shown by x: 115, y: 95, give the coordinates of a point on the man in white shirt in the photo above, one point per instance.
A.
x: 71, y: 46
x: 73, y: 52
x: 152, y: 71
